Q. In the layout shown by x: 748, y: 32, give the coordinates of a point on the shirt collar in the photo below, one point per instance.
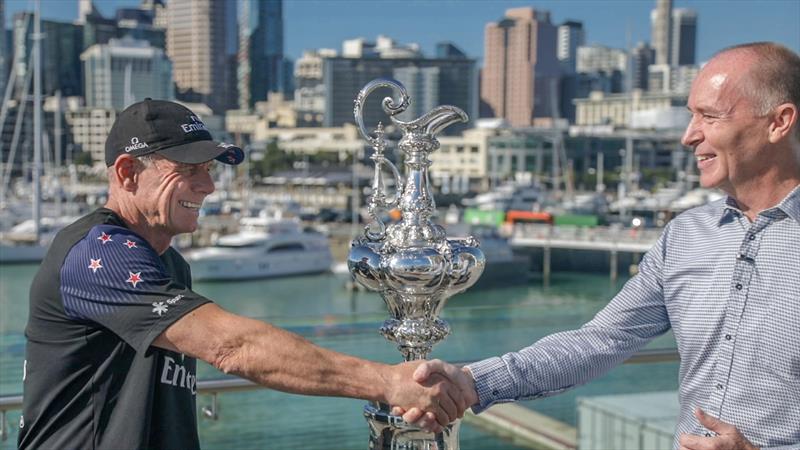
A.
x: 790, y: 205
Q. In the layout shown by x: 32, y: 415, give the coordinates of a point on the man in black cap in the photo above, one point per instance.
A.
x: 114, y: 326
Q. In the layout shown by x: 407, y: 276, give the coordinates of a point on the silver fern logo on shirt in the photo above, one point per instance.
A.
x: 195, y: 125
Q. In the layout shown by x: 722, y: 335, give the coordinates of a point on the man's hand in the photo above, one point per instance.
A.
x: 436, y: 396
x: 727, y: 438
x: 433, y: 369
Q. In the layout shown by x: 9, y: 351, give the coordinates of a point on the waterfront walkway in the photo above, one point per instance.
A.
x: 610, y: 239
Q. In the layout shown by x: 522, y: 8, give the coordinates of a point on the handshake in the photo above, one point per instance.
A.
x: 430, y: 394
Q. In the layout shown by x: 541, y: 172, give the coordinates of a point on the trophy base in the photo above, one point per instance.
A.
x: 388, y: 432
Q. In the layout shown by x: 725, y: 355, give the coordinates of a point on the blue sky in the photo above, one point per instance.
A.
x: 313, y: 24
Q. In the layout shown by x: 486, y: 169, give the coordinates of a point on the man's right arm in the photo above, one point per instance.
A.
x: 278, y: 359
x: 567, y: 359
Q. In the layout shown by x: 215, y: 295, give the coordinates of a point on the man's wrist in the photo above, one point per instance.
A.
x: 471, y: 394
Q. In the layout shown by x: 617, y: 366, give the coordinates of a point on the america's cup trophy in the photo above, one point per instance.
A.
x: 411, y: 263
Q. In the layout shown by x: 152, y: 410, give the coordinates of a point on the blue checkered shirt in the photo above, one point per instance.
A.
x: 729, y: 289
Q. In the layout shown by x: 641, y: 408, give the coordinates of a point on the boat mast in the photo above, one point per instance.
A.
x: 37, y: 119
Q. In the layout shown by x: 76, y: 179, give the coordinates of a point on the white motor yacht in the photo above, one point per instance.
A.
x: 263, y: 248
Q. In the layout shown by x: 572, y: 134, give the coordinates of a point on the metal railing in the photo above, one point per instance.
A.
x: 215, y: 387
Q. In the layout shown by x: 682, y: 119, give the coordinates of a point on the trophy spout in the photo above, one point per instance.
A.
x: 434, y: 121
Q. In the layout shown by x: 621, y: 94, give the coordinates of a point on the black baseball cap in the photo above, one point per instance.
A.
x: 169, y: 129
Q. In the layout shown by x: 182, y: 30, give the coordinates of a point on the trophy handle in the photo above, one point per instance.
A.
x: 379, y: 198
x: 388, y: 104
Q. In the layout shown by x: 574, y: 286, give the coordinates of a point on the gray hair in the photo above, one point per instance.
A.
x: 148, y: 159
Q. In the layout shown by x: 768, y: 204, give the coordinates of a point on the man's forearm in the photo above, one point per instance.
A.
x: 271, y: 356
x: 285, y: 361
x: 278, y: 359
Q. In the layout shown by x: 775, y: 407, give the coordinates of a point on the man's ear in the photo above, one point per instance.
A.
x: 125, y: 172
x: 784, y: 121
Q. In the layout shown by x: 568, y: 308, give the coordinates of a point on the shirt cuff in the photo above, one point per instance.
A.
x: 493, y: 383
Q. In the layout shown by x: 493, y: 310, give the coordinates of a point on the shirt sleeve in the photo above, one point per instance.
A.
x: 114, y: 278
x: 567, y: 359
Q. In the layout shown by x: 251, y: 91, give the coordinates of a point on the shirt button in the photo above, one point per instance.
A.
x: 495, y: 393
x: 728, y: 337
x: 738, y: 286
x: 751, y: 236
x: 719, y: 385
x: 708, y: 434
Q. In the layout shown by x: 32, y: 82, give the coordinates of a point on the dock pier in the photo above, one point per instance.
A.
x: 613, y: 240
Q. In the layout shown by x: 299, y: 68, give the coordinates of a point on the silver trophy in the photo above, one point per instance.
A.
x: 412, y: 264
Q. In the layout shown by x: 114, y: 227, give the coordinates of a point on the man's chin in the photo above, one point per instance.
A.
x: 709, y: 182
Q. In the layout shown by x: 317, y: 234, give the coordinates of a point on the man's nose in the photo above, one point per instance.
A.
x: 692, y: 136
x: 205, y: 183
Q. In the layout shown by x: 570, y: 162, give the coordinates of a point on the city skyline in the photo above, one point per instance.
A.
x: 720, y: 23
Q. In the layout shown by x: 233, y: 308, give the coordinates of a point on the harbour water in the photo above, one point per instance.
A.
x: 484, y: 323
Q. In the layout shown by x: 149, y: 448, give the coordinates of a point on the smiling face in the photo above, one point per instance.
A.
x: 727, y: 134
x: 170, y: 194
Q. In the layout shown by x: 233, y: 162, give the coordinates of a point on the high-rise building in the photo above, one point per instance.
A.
x: 138, y: 23
x: 85, y: 9
x: 570, y: 37
x: 446, y: 50
x: 642, y: 56
x: 261, y: 64
x: 326, y: 83
x: 309, y: 87
x: 449, y: 81
x: 661, y: 30
x: 422, y: 84
x: 599, y: 58
x: 61, y: 50
x: 96, y: 28
x: 4, y: 51
x: 383, y: 47
x: 125, y: 71
x: 198, y: 35
x: 684, y: 37
x: 158, y: 12
x: 88, y: 128
x: 287, y: 78
x: 519, y: 81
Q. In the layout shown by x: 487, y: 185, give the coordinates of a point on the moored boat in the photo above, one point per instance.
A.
x: 263, y: 248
